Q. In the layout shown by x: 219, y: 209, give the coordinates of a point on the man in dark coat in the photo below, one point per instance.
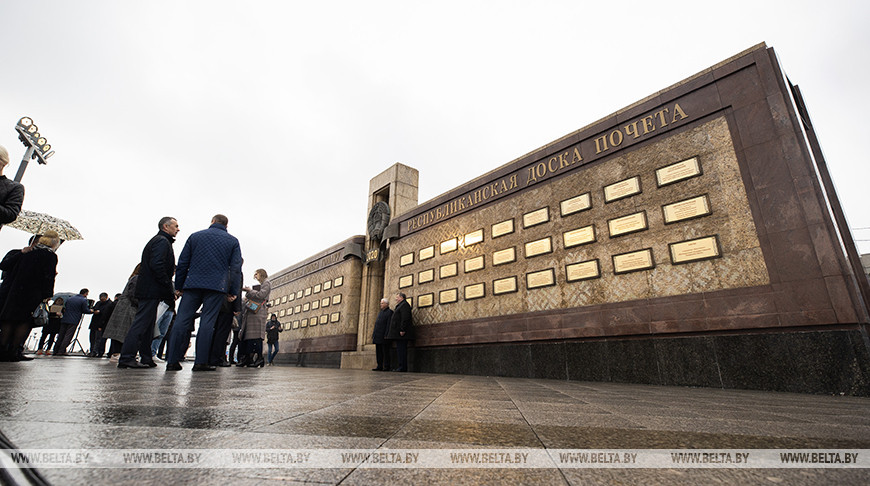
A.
x: 209, y: 272
x: 98, y: 324
x: 153, y: 286
x: 379, y: 336
x: 11, y: 193
x: 401, y: 330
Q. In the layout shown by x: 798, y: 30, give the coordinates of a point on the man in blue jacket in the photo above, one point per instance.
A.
x: 209, y: 272
x: 153, y: 286
x: 73, y: 310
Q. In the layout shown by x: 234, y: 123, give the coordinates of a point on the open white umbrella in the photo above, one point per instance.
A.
x: 38, y: 223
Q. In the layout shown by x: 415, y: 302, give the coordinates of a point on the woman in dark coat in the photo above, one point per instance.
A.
x: 31, y: 282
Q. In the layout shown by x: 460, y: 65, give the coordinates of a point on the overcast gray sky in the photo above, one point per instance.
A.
x: 277, y: 114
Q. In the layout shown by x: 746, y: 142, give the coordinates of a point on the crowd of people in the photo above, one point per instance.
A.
x: 142, y: 323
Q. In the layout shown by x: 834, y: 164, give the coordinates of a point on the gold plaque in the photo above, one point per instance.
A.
x: 475, y: 291
x: 627, y: 224
x: 694, y: 250
x: 504, y: 285
x: 296, y: 324
x: 503, y: 228
x: 338, y: 281
x: 472, y: 238
x: 307, y: 291
x: 324, y: 318
x: 426, y: 276
x: 334, y: 317
x: 290, y: 311
x: 426, y: 300
x: 306, y: 307
x: 299, y: 294
x: 336, y: 299
x: 678, y: 172
x: 633, y: 261
x: 542, y: 278
x: 406, y: 281
x: 324, y: 302
x: 303, y: 322
x: 312, y: 321
x: 317, y: 288
x: 474, y: 264
x: 283, y: 299
x: 327, y: 285
x: 449, y: 270
x: 539, y: 247
x: 281, y: 314
x: 575, y: 204
x: 536, y: 217
x: 686, y: 209
x: 448, y: 246
x: 448, y: 296
x: 622, y: 189
x: 315, y: 305
x: 406, y: 259
x: 291, y: 297
x: 579, y: 236
x: 297, y: 309
x: 582, y: 271
x: 427, y: 253
x: 410, y: 301
x: 504, y: 256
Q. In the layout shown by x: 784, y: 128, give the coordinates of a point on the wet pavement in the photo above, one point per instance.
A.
x: 81, y: 403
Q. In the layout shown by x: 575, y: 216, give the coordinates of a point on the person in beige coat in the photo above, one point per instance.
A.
x: 253, y: 328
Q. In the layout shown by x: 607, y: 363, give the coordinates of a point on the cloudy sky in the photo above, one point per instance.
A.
x: 277, y: 113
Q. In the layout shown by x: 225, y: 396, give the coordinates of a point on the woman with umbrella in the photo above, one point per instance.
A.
x: 31, y: 281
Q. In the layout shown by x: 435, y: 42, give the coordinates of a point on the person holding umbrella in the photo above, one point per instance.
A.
x: 31, y: 281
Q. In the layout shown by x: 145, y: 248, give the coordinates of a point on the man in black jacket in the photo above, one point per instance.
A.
x: 154, y: 285
x: 379, y: 336
x: 401, y: 330
x: 98, y: 324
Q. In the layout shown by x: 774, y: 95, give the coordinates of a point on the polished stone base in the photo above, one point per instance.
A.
x: 823, y: 362
x: 328, y: 359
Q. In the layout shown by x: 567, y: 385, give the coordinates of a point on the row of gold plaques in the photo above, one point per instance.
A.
x: 313, y: 305
x: 323, y: 319
x: 329, y: 284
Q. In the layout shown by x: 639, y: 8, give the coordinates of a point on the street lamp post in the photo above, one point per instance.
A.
x: 37, y: 146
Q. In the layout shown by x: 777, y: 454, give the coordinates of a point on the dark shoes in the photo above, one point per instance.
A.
x: 173, y: 367
x: 224, y: 364
x: 200, y: 367
x: 135, y: 365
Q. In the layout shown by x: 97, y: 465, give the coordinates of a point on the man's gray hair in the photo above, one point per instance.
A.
x: 4, y: 156
x: 385, y: 300
x: 164, y: 221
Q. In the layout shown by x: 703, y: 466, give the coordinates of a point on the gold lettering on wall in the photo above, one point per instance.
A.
x: 539, y: 247
x: 695, y: 250
x: 579, y: 236
x: 687, y: 209
x: 633, y: 261
x: 541, y: 278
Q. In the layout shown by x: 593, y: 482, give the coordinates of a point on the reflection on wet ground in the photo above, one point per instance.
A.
x: 71, y: 402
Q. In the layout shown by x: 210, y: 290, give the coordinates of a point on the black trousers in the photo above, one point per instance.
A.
x: 382, y: 352
x: 64, y: 337
x: 402, y: 354
x: 222, y: 328
x: 141, y: 332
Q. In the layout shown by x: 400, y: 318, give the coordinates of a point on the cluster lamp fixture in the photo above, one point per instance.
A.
x: 37, y: 144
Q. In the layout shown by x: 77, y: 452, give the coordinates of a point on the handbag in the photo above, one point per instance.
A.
x: 253, y: 306
x: 40, y: 315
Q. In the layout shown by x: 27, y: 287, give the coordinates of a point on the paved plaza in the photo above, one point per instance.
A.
x: 80, y: 403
